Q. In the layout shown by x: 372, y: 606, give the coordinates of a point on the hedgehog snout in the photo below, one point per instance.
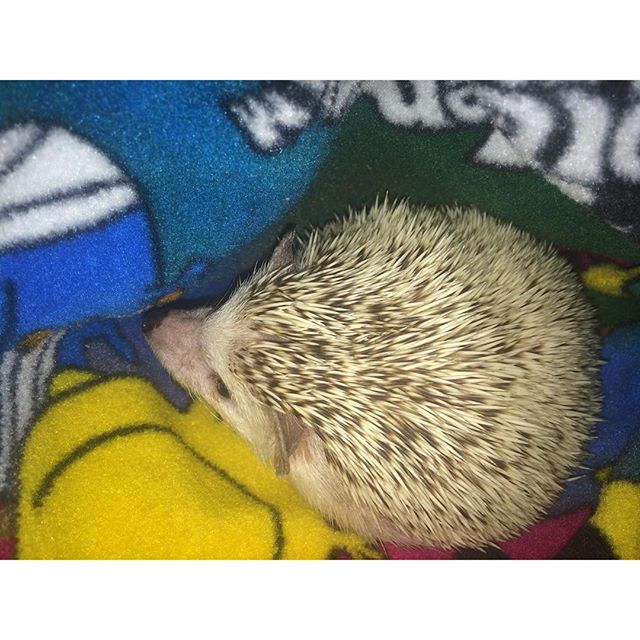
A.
x: 153, y: 318
x: 174, y: 337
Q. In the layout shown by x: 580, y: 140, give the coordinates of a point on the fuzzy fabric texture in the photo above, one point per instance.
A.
x: 118, y: 196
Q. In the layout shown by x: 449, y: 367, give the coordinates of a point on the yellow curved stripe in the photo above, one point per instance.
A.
x: 609, y: 278
x: 618, y: 517
x: 70, y: 379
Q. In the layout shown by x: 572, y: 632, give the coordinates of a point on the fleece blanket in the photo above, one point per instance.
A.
x: 117, y: 196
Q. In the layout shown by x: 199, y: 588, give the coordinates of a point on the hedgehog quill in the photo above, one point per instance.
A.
x: 424, y: 376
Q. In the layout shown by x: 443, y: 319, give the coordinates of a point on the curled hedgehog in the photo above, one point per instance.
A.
x: 424, y: 376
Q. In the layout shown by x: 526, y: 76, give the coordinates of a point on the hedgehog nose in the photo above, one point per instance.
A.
x: 152, y: 319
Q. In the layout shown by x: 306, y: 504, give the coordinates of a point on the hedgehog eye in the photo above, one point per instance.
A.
x: 220, y: 386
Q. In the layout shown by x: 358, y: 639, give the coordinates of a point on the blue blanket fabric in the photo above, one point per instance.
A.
x: 199, y: 194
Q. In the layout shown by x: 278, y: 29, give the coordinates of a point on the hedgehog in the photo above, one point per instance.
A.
x: 424, y: 376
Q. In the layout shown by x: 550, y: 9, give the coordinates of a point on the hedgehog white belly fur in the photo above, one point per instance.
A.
x: 425, y: 376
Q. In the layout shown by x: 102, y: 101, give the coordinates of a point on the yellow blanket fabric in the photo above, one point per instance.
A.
x: 112, y: 470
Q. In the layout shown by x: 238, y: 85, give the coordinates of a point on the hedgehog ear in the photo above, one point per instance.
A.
x: 283, y: 253
x: 288, y: 434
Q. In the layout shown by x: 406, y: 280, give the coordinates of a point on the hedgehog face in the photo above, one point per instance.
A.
x: 197, y: 349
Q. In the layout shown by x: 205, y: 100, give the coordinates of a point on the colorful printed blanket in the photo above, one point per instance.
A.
x: 116, y: 196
